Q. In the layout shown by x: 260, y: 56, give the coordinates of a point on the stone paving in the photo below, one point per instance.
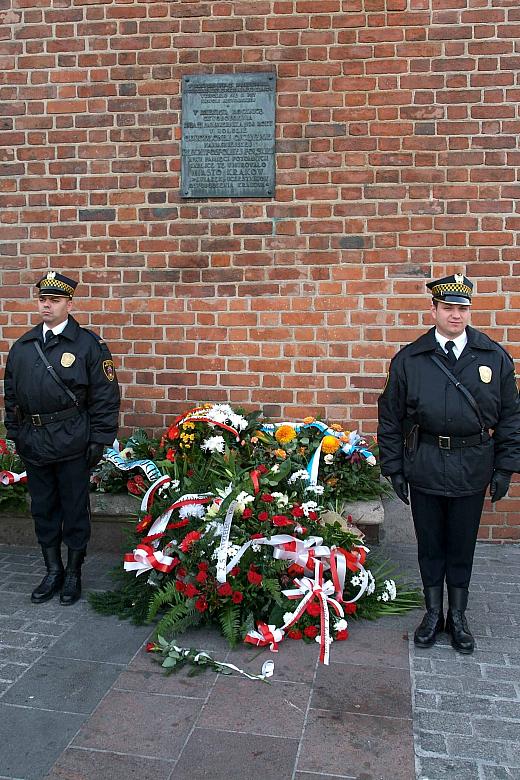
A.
x: 81, y: 700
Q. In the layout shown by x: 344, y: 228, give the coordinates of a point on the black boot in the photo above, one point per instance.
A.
x: 456, y: 624
x: 53, y: 580
x: 71, y: 591
x: 433, y: 621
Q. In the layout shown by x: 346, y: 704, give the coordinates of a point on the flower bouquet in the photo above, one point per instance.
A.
x: 13, y: 489
x: 229, y: 533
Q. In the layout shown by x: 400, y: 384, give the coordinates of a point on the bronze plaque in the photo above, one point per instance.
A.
x: 228, y: 136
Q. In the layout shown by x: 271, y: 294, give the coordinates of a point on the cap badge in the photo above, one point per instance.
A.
x: 51, y: 275
x: 459, y: 278
x: 485, y: 374
x: 67, y: 359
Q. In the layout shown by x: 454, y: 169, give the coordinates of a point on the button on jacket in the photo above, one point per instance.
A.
x: 84, y: 364
x: 418, y: 392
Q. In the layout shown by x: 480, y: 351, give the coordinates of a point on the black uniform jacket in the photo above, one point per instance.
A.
x: 418, y: 392
x: 84, y: 364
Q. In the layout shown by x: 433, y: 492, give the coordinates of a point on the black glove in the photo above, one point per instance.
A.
x: 94, y: 453
x: 400, y: 485
x: 499, y: 485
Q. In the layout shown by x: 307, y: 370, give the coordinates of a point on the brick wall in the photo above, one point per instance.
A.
x: 397, y: 160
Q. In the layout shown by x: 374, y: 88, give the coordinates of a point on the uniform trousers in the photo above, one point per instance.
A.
x: 446, y: 529
x: 60, y: 503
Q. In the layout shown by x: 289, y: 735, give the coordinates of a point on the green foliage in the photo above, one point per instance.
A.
x: 130, y: 601
x: 229, y: 619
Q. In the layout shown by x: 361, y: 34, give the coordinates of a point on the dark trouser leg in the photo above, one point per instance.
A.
x: 74, y: 499
x: 429, y: 514
x: 73, y: 486
x: 462, y: 528
x: 42, y: 483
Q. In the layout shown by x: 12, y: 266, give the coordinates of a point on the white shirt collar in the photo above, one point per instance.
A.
x: 57, y: 328
x: 459, y: 343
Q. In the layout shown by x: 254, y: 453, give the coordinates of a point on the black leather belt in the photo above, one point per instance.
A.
x: 45, y: 419
x: 454, y: 442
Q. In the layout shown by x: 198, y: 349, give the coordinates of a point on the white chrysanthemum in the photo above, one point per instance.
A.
x: 237, y: 421
x: 191, y: 510
x: 341, y: 625
x: 275, y: 469
x: 127, y: 453
x: 329, y: 458
x: 232, y: 550
x: 371, y: 583
x: 281, y: 499
x: 355, y: 580
x: 245, y: 498
x: 316, y: 489
x: 214, y: 444
x: 384, y: 596
x: 309, y: 506
x: 256, y: 547
x: 391, y: 589
x: 296, y: 475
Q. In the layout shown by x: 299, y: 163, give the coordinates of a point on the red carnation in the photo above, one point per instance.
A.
x: 170, y: 455
x: 267, y: 497
x: 191, y: 590
x: 189, y: 540
x: 313, y: 608
x: 234, y: 571
x: 262, y: 469
x: 202, y: 576
x: 280, y: 521
x: 294, y: 633
x: 263, y: 516
x: 297, y: 511
x: 225, y: 589
x: 173, y: 432
x: 350, y: 608
x: 181, y: 571
x: 295, y: 570
x: 143, y: 524
x: 150, y: 647
x: 313, y: 515
x: 237, y: 597
x: 180, y: 586
x: 201, y: 604
x: 247, y: 513
x: 256, y: 536
x: 342, y: 635
x: 254, y: 578
x: 203, y: 566
x: 310, y: 631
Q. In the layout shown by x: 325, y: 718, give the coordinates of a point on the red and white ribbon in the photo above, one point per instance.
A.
x: 266, y: 635
x: 144, y: 558
x: 10, y: 478
x: 309, y: 589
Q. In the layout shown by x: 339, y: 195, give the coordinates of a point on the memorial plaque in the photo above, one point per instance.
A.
x: 228, y: 136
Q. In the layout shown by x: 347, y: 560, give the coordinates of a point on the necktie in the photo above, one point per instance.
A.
x: 48, y: 336
x: 450, y: 353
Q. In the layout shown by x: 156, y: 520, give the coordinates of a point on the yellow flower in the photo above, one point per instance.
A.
x: 280, y: 454
x: 329, y: 444
x: 284, y: 434
x: 308, y: 420
x: 336, y: 427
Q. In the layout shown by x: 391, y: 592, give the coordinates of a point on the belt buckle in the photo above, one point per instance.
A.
x: 35, y: 419
x: 445, y: 442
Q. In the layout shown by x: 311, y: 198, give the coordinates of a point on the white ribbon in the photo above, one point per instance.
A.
x: 223, y: 546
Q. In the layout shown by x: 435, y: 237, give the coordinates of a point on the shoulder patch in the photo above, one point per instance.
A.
x: 109, y: 370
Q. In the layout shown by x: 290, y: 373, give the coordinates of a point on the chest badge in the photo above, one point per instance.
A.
x: 485, y: 374
x: 67, y: 359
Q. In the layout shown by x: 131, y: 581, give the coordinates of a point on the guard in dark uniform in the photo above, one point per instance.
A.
x: 61, y: 409
x: 449, y: 426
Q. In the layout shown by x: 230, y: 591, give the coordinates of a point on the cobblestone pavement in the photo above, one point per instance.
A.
x: 81, y: 700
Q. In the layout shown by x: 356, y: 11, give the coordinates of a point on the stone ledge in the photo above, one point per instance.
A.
x: 114, y: 514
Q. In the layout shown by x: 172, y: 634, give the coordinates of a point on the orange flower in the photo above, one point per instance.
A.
x: 330, y: 444
x: 280, y: 454
x: 308, y: 420
x: 336, y: 427
x: 284, y: 434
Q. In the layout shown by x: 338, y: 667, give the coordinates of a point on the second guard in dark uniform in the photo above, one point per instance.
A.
x: 449, y: 427
x: 61, y: 409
